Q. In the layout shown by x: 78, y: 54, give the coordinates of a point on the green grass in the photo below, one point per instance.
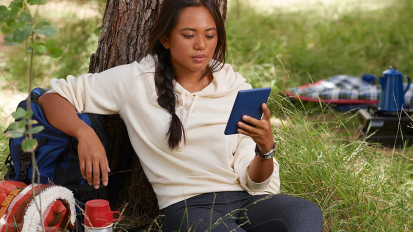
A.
x: 4, y: 151
x: 319, y: 42
x: 359, y: 186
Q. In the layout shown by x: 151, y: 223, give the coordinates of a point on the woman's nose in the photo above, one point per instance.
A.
x: 200, y: 43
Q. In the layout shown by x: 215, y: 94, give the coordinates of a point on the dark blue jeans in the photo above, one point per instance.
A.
x: 239, y: 211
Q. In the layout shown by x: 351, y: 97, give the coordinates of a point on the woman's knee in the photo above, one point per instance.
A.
x: 296, y: 214
x: 304, y: 215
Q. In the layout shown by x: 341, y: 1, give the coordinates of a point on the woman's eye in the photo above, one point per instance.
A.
x: 188, y: 36
x: 209, y: 36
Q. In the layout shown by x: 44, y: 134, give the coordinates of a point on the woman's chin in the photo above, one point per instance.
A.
x: 198, y: 67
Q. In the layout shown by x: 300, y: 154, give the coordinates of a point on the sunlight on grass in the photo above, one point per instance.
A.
x: 341, y: 6
x: 358, y: 185
x: 312, y: 48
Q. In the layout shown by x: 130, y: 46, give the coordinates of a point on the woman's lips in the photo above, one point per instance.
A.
x: 199, y: 58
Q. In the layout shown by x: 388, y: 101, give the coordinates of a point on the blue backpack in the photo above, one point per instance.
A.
x: 56, y: 154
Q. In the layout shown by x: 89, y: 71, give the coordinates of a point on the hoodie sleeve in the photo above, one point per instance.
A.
x: 99, y: 93
x: 244, y: 154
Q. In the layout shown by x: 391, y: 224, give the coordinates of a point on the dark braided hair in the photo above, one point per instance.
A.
x: 164, y: 72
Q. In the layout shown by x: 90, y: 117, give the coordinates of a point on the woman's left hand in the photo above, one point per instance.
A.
x: 261, y: 133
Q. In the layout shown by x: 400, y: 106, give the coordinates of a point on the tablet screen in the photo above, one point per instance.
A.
x: 248, y: 102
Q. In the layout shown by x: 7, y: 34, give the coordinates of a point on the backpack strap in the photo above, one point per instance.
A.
x: 7, y: 201
x: 26, y: 160
x: 10, y: 168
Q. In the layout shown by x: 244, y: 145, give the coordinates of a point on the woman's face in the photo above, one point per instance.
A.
x: 192, y: 41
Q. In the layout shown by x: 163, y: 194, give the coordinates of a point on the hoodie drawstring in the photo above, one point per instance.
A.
x: 185, y: 115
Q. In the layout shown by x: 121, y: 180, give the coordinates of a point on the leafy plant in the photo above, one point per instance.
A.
x: 36, y: 37
x: 23, y: 29
x: 19, y: 129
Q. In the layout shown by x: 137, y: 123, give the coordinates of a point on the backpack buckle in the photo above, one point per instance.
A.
x: 25, y: 163
x: 24, y: 156
x: 26, y: 160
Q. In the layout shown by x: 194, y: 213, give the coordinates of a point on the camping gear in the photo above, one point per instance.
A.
x: 390, y: 123
x: 101, y: 229
x: 388, y: 130
x: 339, y: 89
x: 56, y: 156
x: 99, y: 215
x: 392, y: 92
x: 369, y: 78
x: 345, y: 93
x: 19, y: 211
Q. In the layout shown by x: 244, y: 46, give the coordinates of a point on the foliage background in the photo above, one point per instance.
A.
x: 359, y: 186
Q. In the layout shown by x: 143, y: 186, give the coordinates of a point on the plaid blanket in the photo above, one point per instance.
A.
x: 343, y: 89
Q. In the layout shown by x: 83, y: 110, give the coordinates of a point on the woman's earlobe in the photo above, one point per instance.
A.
x: 164, y: 41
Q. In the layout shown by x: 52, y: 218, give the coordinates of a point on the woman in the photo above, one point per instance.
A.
x: 175, y: 104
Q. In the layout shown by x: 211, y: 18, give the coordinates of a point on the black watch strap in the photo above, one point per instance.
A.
x: 267, y: 155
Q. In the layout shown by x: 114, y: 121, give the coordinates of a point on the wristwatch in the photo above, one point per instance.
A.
x: 267, y: 155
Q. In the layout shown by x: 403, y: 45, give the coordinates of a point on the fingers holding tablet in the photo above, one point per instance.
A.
x: 259, y: 130
x: 248, y: 102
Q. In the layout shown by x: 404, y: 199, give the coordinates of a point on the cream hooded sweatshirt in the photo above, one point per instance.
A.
x: 209, y: 161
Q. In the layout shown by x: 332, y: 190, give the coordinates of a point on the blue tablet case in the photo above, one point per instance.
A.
x: 248, y: 102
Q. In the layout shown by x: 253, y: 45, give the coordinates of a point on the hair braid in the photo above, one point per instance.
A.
x: 164, y: 73
x: 166, y: 98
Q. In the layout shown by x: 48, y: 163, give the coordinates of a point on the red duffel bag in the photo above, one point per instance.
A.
x: 19, y: 212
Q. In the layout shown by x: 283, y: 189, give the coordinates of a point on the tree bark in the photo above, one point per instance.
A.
x: 124, y: 39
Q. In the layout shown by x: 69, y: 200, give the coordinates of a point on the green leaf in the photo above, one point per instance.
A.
x: 39, y: 47
x: 6, y: 30
x: 36, y: 2
x: 35, y: 130
x: 29, y: 145
x: 4, y: 14
x: 21, y: 35
x: 41, y: 25
x: 16, y: 4
x: 24, y: 17
x: 11, y: 23
x: 44, y: 28
x: 51, y: 43
x: 19, y: 25
x: 13, y: 126
x: 21, y: 125
x: 19, y: 113
x: 15, y: 8
x: 31, y: 121
x: 28, y: 114
x: 10, y: 41
x: 56, y: 52
x: 13, y: 134
x: 13, y: 13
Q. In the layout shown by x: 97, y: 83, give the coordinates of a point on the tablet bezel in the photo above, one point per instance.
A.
x: 248, y: 102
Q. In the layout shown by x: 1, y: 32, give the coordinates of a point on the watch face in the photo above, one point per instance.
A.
x: 267, y: 157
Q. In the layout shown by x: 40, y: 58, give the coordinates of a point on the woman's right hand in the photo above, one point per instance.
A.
x: 61, y: 114
x: 92, y: 157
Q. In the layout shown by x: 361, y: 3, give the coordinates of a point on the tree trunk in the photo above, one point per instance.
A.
x: 125, y: 38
